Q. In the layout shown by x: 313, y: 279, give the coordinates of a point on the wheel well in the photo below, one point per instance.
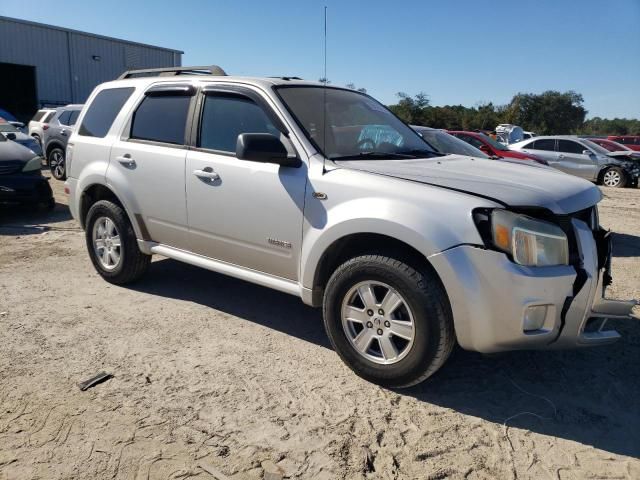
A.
x: 365, y: 244
x: 604, y: 170
x: 93, y: 194
x: 51, y: 146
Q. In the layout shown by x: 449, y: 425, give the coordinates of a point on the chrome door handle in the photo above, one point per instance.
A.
x: 126, y: 160
x: 207, y: 174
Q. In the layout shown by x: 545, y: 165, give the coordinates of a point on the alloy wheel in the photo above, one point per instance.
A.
x: 378, y: 322
x: 106, y: 243
x: 56, y: 162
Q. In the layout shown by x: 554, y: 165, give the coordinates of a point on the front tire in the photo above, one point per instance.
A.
x: 390, y: 323
x: 112, y: 244
x: 614, y: 177
x: 57, y: 163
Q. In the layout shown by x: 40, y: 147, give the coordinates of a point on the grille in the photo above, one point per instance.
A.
x: 12, y: 166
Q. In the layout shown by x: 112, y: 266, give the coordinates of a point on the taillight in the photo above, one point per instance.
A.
x: 45, y: 126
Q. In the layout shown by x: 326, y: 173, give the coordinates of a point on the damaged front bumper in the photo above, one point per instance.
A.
x: 494, y: 300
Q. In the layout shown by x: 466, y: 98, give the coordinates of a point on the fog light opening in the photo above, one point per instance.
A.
x: 534, y: 318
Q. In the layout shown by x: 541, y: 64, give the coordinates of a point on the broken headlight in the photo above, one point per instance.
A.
x: 526, y: 240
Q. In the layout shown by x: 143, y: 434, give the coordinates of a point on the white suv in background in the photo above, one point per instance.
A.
x: 36, y: 125
x: 321, y: 192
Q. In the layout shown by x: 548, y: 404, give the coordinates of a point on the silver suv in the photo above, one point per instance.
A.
x: 322, y: 193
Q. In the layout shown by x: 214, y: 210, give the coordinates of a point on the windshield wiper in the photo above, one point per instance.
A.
x: 375, y: 156
x: 423, y: 153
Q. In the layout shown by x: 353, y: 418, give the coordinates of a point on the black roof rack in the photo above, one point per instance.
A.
x: 172, y: 71
x: 287, y: 78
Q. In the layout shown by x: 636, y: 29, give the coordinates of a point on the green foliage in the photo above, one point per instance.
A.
x: 547, y: 113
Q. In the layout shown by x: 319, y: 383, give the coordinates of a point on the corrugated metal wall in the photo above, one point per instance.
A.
x: 66, y: 70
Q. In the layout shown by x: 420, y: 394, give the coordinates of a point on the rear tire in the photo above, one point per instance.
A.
x: 422, y: 304
x: 614, y: 177
x: 57, y: 163
x: 112, y: 244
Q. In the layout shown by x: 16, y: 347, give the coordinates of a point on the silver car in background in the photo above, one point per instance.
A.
x: 582, y: 158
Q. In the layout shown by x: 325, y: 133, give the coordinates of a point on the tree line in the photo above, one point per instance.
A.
x: 547, y: 113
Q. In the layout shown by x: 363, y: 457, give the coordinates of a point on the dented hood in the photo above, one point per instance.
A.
x: 512, y: 184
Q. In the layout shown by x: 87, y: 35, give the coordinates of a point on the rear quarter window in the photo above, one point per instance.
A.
x: 103, y: 111
x: 39, y: 114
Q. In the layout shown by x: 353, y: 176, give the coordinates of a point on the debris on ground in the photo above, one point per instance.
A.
x: 99, y: 378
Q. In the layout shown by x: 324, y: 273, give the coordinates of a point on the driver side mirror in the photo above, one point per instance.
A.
x: 264, y: 148
x: 587, y: 152
x: 11, y: 136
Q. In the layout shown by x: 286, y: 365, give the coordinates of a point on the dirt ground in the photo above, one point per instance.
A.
x: 217, y: 378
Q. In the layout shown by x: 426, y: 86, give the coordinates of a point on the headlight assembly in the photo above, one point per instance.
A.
x: 34, y: 164
x: 528, y: 241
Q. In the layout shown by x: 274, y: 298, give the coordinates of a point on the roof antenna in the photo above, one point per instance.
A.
x: 324, y: 103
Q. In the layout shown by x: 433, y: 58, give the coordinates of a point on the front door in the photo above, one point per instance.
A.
x: 572, y: 160
x: 242, y: 212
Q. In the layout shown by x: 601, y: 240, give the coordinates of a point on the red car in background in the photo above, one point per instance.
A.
x: 631, y: 141
x: 492, y: 148
x: 611, y: 145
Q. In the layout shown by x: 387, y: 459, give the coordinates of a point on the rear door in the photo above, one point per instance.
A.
x: 148, y: 161
x: 244, y: 213
x: 573, y: 161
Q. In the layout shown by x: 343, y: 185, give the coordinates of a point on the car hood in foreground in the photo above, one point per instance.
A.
x: 514, y: 185
x: 13, y: 152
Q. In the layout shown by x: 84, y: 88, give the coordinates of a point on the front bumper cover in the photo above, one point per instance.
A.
x: 489, y: 295
x: 24, y: 189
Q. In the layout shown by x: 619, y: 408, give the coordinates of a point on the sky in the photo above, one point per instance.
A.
x: 457, y: 52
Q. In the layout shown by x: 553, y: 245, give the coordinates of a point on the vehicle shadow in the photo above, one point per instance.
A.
x: 625, y: 245
x: 264, y: 306
x: 588, y: 396
x: 16, y: 220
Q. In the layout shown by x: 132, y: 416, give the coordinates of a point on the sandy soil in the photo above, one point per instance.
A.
x: 217, y: 378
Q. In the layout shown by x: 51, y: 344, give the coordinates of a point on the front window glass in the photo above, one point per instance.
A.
x: 567, y: 146
x: 355, y: 126
x: 73, y: 118
x: 224, y: 117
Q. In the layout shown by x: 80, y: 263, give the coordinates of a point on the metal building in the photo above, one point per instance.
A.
x: 44, y: 65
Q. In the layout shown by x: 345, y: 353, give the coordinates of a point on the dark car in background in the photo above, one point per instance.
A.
x: 56, y: 136
x: 21, y: 180
x: 492, y: 147
x: 11, y: 132
x: 446, y: 143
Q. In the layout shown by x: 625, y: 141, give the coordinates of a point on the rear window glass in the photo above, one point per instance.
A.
x: 73, y: 118
x: 547, y: 144
x: 103, y: 111
x: 161, y: 118
x: 48, y: 117
x: 39, y: 114
x: 64, y: 117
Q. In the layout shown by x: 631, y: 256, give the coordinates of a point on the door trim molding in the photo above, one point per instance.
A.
x: 253, y: 276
